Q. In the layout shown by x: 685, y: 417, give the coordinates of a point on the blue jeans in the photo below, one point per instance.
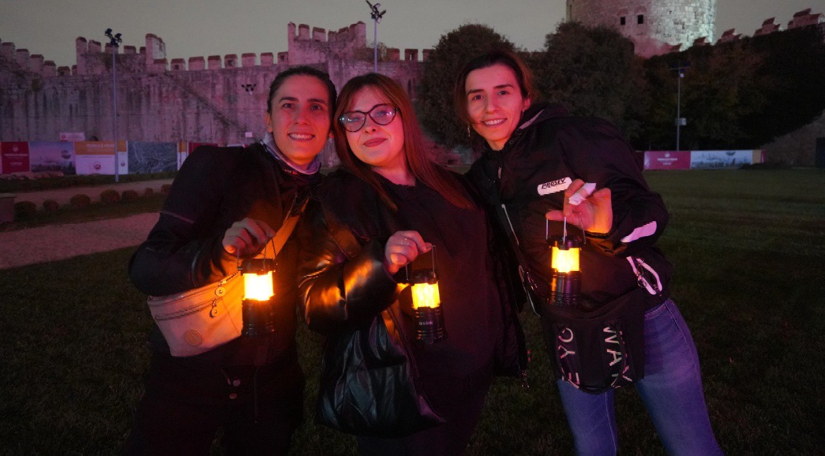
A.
x: 671, y: 391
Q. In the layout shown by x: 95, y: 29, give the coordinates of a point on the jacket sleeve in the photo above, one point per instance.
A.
x: 342, y: 284
x: 597, y: 152
x: 183, y: 250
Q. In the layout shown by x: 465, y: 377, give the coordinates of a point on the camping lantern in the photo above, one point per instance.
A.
x: 258, y: 313
x: 429, y: 317
x: 565, y: 283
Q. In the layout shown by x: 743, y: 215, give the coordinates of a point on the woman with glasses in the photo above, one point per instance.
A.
x: 395, y: 204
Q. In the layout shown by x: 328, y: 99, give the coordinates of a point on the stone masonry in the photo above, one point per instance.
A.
x: 218, y: 99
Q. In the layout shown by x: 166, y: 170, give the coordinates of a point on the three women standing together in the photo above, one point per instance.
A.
x: 389, y: 204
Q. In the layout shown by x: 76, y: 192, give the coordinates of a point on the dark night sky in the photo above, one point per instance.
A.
x: 201, y: 27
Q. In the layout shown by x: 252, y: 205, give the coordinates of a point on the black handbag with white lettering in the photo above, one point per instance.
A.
x: 598, y: 349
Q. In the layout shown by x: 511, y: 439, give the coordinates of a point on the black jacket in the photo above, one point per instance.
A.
x: 214, y: 188
x: 345, y: 284
x: 528, y: 176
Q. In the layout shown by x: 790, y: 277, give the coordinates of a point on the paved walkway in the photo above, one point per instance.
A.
x: 59, y: 242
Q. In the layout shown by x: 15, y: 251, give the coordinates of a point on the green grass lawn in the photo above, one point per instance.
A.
x: 749, y: 250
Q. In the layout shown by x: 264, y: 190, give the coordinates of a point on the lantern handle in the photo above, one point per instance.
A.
x: 271, y: 242
x: 564, y: 233
x: 407, y: 266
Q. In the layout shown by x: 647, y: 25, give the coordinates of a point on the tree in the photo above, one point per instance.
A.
x: 593, y: 71
x: 720, y: 89
x: 435, y: 91
x: 794, y: 61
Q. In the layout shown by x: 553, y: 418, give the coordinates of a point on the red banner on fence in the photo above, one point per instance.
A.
x: 15, y: 157
x: 667, y: 160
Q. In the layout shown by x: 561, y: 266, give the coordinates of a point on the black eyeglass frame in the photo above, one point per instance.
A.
x: 395, y: 110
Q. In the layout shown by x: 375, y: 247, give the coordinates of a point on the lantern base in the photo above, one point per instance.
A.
x: 258, y: 318
x: 429, y: 325
x: 565, y: 288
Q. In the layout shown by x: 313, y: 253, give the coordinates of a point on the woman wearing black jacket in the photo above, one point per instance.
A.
x: 541, y: 164
x: 227, y: 203
x: 395, y: 204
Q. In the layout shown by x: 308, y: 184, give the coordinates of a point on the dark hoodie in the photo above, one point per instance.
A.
x: 527, y: 178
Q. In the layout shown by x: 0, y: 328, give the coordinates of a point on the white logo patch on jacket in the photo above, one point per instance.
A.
x: 554, y: 186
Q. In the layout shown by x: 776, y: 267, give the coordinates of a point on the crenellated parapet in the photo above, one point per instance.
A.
x: 769, y: 26
x: 805, y: 18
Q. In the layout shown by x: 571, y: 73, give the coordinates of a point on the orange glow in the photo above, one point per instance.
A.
x: 565, y: 260
x: 425, y: 295
x: 258, y: 287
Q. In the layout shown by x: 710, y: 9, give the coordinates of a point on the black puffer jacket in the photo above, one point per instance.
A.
x: 528, y: 177
x: 345, y: 284
x: 214, y: 188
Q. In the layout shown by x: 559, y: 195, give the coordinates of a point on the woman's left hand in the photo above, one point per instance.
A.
x: 586, y: 209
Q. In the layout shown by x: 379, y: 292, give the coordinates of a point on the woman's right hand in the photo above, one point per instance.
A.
x: 403, y: 248
x: 245, y: 238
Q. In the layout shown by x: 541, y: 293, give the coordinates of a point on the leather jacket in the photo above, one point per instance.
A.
x: 344, y: 283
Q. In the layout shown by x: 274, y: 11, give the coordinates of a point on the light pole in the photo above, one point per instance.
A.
x: 680, y: 122
x: 114, y: 40
x: 376, y: 17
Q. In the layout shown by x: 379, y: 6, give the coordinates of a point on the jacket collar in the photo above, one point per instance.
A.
x: 286, y: 163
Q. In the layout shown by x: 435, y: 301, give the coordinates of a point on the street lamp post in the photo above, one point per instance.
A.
x: 114, y: 40
x: 680, y: 122
x: 376, y: 17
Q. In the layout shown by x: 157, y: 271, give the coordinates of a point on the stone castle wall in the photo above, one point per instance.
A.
x: 217, y: 99
x: 655, y: 26
x: 221, y: 98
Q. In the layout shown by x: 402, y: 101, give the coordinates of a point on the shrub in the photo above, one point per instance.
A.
x: 149, y: 191
x: 50, y: 206
x: 129, y: 195
x: 165, y: 188
x: 109, y: 196
x: 24, y: 209
x: 80, y: 200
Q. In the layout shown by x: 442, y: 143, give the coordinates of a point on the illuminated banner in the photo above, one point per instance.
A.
x: 719, y: 159
x: 52, y: 156
x: 15, y: 157
x: 97, y: 157
x: 667, y: 160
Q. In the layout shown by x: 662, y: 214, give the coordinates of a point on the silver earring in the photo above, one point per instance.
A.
x: 468, y: 130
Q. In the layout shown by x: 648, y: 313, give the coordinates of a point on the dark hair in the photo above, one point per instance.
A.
x: 421, y: 167
x: 303, y: 71
x: 495, y: 57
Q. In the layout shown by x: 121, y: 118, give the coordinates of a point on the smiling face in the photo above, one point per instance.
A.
x: 379, y: 146
x: 494, y: 103
x: 300, y: 118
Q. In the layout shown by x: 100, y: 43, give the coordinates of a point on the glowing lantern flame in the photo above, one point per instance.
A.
x: 425, y: 295
x: 258, y: 287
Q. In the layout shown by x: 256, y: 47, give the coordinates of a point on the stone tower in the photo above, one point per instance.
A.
x: 655, y: 26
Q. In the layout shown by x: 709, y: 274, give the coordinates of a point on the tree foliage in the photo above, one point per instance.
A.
x: 435, y: 91
x: 794, y: 62
x: 720, y: 88
x: 593, y: 71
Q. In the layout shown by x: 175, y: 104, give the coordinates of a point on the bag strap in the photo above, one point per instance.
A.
x: 291, y: 220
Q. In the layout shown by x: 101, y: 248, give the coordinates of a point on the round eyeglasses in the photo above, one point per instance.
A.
x: 382, y: 114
